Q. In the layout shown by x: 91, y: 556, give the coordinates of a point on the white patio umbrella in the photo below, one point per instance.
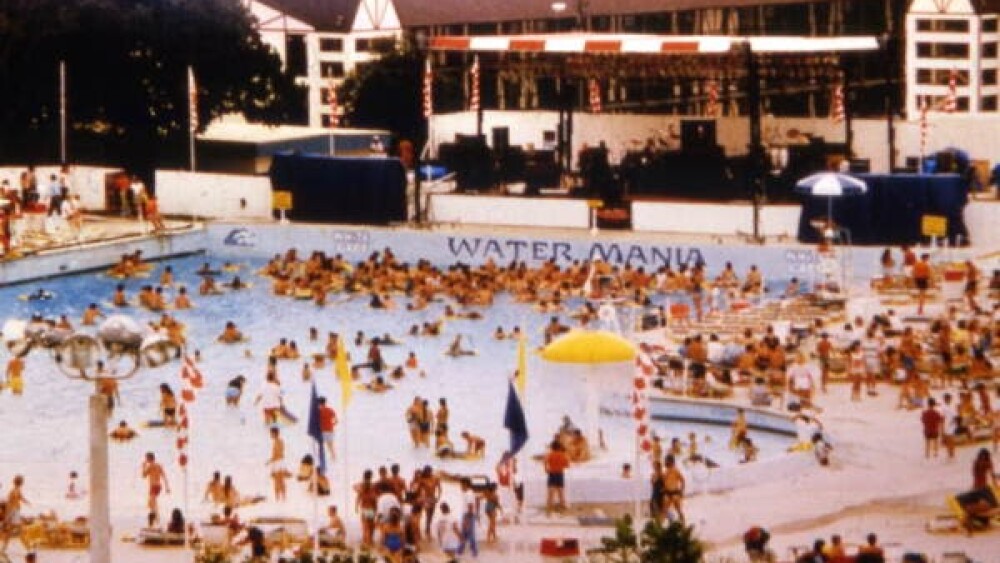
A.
x: 830, y: 185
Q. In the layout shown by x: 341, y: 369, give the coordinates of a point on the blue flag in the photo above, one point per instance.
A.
x: 315, y: 431
x: 513, y: 420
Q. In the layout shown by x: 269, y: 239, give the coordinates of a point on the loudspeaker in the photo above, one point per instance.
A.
x: 501, y: 138
x: 861, y: 165
x: 697, y: 134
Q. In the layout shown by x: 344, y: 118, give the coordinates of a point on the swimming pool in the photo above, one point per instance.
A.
x: 46, y: 435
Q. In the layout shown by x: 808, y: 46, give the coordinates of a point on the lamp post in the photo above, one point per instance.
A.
x: 116, y: 353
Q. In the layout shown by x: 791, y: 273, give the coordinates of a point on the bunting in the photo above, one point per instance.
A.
x: 428, y: 89
x: 192, y: 101
x: 923, y: 126
x: 191, y: 381
x: 644, y: 370
x: 594, y: 93
x: 474, y: 77
x: 712, y: 107
x: 838, y: 112
x: 951, y: 99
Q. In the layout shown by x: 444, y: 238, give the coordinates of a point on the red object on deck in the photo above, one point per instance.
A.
x: 680, y: 311
x: 559, y: 547
x: 954, y: 275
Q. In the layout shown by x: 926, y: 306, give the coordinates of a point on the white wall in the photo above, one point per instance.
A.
x: 88, y: 181
x: 513, y: 211
x: 715, y: 219
x: 213, y: 195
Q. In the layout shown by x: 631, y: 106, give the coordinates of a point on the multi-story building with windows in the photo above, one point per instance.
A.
x: 322, y: 41
x: 953, y: 41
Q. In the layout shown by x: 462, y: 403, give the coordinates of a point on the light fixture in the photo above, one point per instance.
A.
x: 558, y: 6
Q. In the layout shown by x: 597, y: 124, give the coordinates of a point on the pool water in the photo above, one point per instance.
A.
x: 45, y: 430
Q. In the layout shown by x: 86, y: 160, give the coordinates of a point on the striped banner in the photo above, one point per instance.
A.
x: 644, y: 370
x: 594, y: 94
x: 428, y: 89
x: 611, y: 43
x: 838, y: 113
x: 923, y: 126
x: 192, y: 101
x: 191, y: 380
x: 712, y: 107
x: 474, y: 78
x: 951, y: 99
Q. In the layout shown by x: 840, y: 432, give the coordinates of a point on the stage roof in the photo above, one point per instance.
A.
x: 624, y: 44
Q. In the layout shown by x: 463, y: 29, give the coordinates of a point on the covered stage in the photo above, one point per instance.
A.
x: 717, y: 75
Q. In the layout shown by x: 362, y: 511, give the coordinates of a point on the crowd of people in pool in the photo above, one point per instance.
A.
x: 949, y: 353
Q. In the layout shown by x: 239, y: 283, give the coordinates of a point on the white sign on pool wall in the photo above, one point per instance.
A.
x: 441, y: 248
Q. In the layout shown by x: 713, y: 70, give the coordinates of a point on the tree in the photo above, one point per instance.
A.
x: 388, y: 92
x: 675, y: 543
x: 127, y: 66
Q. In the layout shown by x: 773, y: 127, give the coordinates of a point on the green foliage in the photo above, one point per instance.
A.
x: 675, y: 543
x: 388, y: 92
x: 127, y: 66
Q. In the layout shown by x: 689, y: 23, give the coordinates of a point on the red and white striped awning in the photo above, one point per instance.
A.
x: 619, y: 44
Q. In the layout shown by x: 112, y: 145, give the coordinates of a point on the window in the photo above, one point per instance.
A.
x: 927, y: 50
x: 483, y: 29
x: 989, y: 25
x: 962, y: 103
x: 512, y: 27
x: 988, y: 103
x: 331, y: 45
x: 600, y: 23
x: 989, y: 77
x: 941, y: 77
x: 990, y: 50
x: 362, y: 45
x: 331, y: 69
x: 943, y: 26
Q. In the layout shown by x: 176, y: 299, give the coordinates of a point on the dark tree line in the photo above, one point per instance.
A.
x: 126, y: 64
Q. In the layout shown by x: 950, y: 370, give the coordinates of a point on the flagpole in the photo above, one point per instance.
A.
x: 62, y: 111
x: 315, y: 484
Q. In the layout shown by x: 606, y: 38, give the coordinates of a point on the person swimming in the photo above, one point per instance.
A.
x: 41, y: 294
x: 455, y: 350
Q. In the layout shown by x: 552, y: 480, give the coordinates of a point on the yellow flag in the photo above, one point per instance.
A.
x: 344, y: 374
x: 522, y: 366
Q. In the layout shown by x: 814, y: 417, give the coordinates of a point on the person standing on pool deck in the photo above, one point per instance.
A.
x: 556, y: 463
x: 327, y: 424
x: 276, y: 463
x: 269, y: 398
x: 157, y: 479
x: 673, y: 486
x: 932, y: 422
x: 922, y: 280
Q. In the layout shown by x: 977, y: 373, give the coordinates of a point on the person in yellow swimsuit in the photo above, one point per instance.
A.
x: 15, y: 375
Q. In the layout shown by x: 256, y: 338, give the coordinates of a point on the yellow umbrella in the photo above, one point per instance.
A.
x: 589, y: 347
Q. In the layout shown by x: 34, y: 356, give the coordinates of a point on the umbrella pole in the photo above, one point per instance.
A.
x: 829, y: 213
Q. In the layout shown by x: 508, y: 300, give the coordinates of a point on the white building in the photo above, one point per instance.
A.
x: 322, y: 41
x: 953, y: 37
